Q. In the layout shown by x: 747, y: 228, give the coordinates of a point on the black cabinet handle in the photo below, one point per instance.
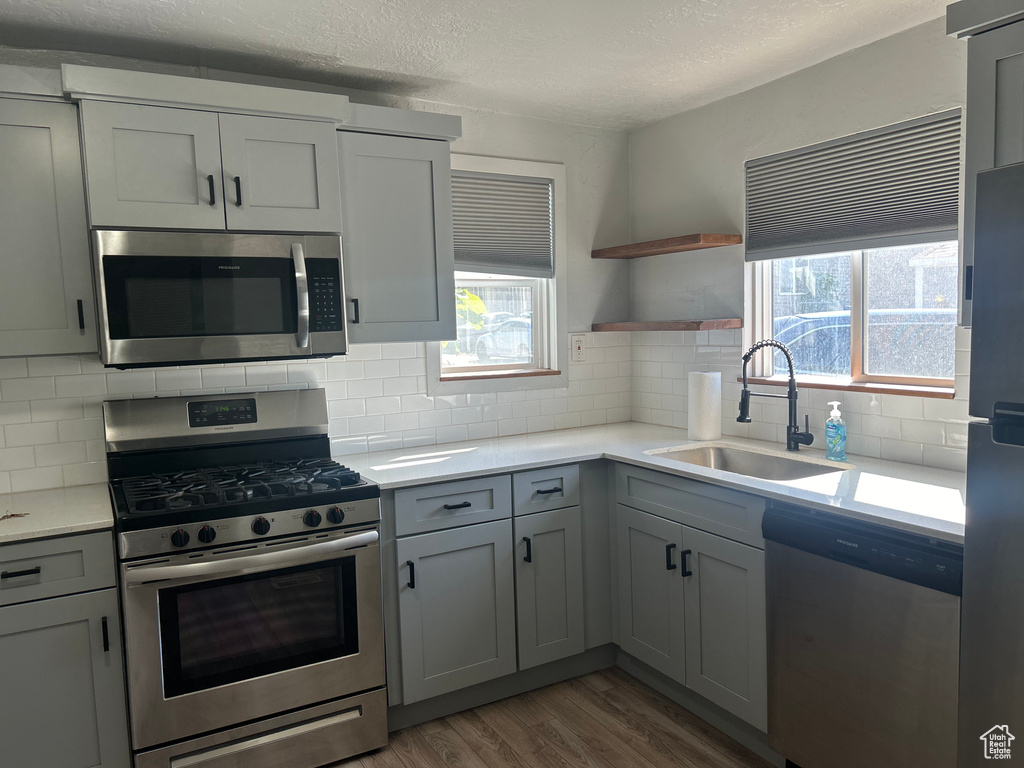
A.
x: 238, y: 191
x: 106, y: 635
x: 686, y: 563
x: 81, y: 315
x: 412, y: 574
x: 213, y: 191
x: 463, y: 505
x: 529, y: 550
x: 969, y: 282
x: 551, y: 490
x: 669, y: 565
x: 355, y: 306
x: 16, y: 574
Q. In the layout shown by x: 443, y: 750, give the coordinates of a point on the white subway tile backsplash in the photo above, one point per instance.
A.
x: 130, y: 382
x: 217, y: 378
x: 58, y: 454
x: 5, y: 482
x: 34, y: 388
x: 13, y: 367
x: 52, y: 366
x: 36, y: 479
x: 80, y: 386
x: 80, y: 429
x: 15, y: 413
x: 35, y: 433
x: 177, y: 379
x: 16, y: 458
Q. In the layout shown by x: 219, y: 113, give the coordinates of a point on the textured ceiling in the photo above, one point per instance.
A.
x: 611, y: 63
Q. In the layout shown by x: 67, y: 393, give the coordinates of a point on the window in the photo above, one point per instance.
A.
x: 886, y: 315
x: 855, y: 262
x: 509, y: 237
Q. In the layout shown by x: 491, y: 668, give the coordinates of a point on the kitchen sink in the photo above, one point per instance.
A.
x: 751, y: 462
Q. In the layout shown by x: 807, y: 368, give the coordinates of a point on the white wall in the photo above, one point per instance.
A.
x: 686, y: 172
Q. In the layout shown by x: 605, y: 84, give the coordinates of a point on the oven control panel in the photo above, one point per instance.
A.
x: 215, y: 413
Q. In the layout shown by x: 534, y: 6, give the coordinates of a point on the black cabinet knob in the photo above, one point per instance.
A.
x: 180, y: 538
x: 335, y: 515
x: 260, y: 526
x: 312, y: 518
x: 206, y: 534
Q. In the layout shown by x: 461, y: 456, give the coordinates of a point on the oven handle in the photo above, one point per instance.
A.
x: 302, y: 294
x: 239, y: 566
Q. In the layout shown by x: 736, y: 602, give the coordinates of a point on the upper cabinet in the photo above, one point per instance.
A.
x: 46, y: 296
x: 170, y: 168
x: 399, y: 258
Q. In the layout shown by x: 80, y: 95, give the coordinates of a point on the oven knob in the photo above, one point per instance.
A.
x: 206, y: 534
x: 179, y: 538
x: 312, y: 518
x: 335, y: 515
x: 260, y: 526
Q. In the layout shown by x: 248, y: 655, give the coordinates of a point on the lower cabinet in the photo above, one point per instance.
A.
x: 457, y: 608
x: 692, y: 605
x: 63, y: 701
x: 549, y: 586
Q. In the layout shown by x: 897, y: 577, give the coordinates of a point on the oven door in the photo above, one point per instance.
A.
x: 179, y: 297
x: 226, y: 636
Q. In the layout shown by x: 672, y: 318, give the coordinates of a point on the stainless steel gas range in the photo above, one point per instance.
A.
x: 250, y: 583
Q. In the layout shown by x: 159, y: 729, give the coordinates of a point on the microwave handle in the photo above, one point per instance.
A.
x: 245, y: 564
x: 302, y: 293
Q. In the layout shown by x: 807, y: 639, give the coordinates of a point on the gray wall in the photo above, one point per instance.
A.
x: 687, y: 170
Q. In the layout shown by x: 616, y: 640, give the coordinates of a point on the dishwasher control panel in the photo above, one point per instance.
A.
x: 905, y: 556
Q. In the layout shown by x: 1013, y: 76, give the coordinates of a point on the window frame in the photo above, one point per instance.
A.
x: 760, y: 322
x: 554, y: 332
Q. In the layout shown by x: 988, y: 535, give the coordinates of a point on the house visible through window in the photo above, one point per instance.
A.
x: 505, y: 261
x: 855, y: 259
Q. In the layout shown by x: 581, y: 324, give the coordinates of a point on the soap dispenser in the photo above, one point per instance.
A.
x: 835, y: 435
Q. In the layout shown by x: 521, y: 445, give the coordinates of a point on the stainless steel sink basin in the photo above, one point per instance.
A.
x: 762, y: 464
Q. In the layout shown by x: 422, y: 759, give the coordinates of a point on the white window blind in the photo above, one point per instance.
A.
x: 503, y: 224
x: 897, y: 185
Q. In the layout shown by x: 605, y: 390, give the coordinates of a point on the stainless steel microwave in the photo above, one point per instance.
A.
x: 174, y: 298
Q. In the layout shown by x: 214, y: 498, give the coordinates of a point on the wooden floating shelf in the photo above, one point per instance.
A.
x: 671, y: 325
x: 668, y: 245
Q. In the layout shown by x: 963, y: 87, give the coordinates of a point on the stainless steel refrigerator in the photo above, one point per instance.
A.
x: 991, y: 712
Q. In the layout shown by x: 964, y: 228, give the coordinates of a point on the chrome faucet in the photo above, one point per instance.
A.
x: 794, y: 437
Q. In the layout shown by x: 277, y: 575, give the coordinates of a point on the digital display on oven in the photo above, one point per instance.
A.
x: 214, y: 413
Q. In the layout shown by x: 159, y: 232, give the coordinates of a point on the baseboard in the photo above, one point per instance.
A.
x: 406, y: 715
x: 726, y: 722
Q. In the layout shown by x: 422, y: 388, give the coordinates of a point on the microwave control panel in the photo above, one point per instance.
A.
x: 325, y: 300
x: 214, y: 413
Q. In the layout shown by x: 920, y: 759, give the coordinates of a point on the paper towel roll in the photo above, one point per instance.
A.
x: 705, y: 406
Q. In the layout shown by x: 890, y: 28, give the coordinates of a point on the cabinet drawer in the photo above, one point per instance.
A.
x: 731, y: 514
x: 544, y: 489
x: 449, y: 505
x: 50, y: 567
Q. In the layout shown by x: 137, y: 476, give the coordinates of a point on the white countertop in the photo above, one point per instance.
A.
x: 55, y: 512
x: 905, y: 496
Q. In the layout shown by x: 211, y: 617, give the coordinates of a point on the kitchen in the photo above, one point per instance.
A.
x: 613, y: 182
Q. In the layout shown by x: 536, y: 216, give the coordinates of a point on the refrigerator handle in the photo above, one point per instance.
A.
x: 1008, y: 424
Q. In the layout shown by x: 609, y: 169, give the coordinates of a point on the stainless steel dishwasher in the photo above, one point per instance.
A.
x: 863, y: 642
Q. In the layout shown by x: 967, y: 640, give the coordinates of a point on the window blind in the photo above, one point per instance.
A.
x: 503, y: 224
x: 897, y: 185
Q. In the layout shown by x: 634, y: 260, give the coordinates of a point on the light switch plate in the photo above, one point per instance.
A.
x: 579, y: 349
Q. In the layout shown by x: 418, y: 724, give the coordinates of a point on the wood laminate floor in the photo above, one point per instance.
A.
x: 607, y: 719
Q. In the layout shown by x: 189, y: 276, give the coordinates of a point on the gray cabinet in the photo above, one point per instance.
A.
x: 399, y: 257
x: 61, y: 661
x: 46, y: 295
x: 167, y: 168
x: 651, y: 591
x: 549, y: 586
x: 725, y: 625
x: 457, y: 608
x: 995, y: 117
x: 692, y: 603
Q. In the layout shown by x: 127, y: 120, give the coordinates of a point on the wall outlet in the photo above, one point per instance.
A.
x: 579, y: 349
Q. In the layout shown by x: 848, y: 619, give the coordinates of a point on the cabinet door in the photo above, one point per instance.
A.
x: 63, y: 702
x: 280, y: 175
x: 399, y: 257
x: 549, y: 586
x: 995, y: 118
x: 457, y: 609
x: 651, y: 590
x: 44, y: 255
x: 152, y: 167
x: 726, y: 642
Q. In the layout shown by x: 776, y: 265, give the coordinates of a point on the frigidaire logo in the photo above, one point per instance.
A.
x: 846, y: 543
x: 225, y: 266
x: 221, y: 429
